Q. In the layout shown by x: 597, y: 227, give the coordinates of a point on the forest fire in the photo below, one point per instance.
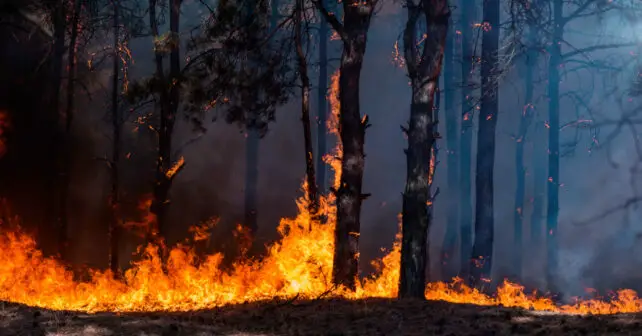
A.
x: 299, y: 266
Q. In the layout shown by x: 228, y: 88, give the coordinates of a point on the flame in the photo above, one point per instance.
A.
x: 298, y: 265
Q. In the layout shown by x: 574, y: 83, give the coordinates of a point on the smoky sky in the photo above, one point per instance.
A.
x: 598, y: 254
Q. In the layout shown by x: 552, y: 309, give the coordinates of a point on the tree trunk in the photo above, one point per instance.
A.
x: 114, y: 225
x: 352, y: 129
x: 481, y: 258
x: 69, y: 114
x: 169, y: 99
x: 452, y: 139
x: 352, y: 132
x: 313, y: 205
x: 520, y: 168
x: 468, y: 16
x: 417, y: 200
x: 59, y: 23
x: 322, y: 107
x: 552, y: 209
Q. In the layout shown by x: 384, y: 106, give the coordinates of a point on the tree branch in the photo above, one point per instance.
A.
x: 587, y: 50
x: 331, y: 19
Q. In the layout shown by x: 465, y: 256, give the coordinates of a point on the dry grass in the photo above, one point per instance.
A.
x: 321, y: 317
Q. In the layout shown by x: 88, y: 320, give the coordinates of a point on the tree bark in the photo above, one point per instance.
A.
x: 169, y: 100
x: 312, y: 194
x: 114, y: 225
x: 352, y: 129
x: 452, y: 161
x: 417, y: 200
x: 552, y: 209
x: 468, y: 16
x: 482, y: 255
x: 322, y: 105
x: 59, y: 23
x: 69, y: 114
x: 520, y: 167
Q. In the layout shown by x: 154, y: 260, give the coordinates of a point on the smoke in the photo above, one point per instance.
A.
x: 603, y: 254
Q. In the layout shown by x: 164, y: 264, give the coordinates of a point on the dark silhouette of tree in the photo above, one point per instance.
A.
x: 482, y: 254
x: 424, y: 69
x: 312, y: 191
x: 531, y: 58
x: 352, y: 126
x: 322, y: 103
x: 65, y: 172
x: 452, y: 158
x: 469, y: 59
x: 114, y: 197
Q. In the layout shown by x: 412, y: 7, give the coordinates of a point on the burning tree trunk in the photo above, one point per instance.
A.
x: 452, y: 136
x: 352, y: 128
x: 423, y: 71
x: 481, y: 258
x: 114, y: 225
x: 552, y: 209
x: 312, y: 194
x: 468, y: 15
x: 169, y: 100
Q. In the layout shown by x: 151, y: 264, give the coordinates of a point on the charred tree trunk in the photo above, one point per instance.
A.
x: 352, y: 129
x: 322, y: 104
x: 252, y: 142
x: 452, y: 150
x: 114, y: 225
x: 312, y: 193
x: 69, y: 114
x: 468, y: 16
x: 482, y: 255
x: 552, y: 209
x: 59, y: 22
x: 520, y: 167
x: 423, y: 70
x: 169, y: 100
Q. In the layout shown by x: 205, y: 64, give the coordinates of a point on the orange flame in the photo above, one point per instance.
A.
x: 299, y: 264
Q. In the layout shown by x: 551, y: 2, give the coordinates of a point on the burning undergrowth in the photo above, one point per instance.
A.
x: 298, y: 266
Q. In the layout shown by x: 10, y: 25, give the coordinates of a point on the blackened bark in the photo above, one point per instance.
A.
x: 452, y: 161
x: 468, y: 16
x: 65, y: 174
x: 423, y: 70
x: 352, y: 129
x: 322, y: 105
x: 59, y: 22
x: 169, y: 100
x: 552, y: 209
x: 312, y: 194
x: 352, y: 132
x: 114, y: 224
x: 520, y: 167
x: 481, y: 258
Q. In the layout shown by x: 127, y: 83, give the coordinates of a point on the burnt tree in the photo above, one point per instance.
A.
x: 468, y: 17
x: 482, y: 253
x: 423, y: 70
x: 114, y: 198
x: 312, y: 192
x: 452, y: 152
x: 352, y: 128
x: 168, y: 88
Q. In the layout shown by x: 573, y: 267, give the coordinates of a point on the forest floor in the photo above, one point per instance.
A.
x: 320, y: 317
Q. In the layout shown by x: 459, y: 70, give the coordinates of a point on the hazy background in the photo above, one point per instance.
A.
x: 605, y: 253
